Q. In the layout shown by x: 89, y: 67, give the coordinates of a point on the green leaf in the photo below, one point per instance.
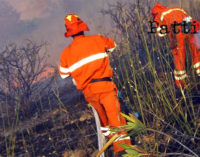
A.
x: 124, y: 146
x: 132, y: 153
x: 115, y: 130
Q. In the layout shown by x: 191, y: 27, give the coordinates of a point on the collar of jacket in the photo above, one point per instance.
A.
x: 78, y: 37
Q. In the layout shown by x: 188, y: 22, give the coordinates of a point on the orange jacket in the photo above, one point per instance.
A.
x: 86, y: 59
x: 170, y: 15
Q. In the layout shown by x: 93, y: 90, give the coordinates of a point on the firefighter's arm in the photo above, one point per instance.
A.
x: 159, y: 25
x: 110, y: 44
x: 63, y: 68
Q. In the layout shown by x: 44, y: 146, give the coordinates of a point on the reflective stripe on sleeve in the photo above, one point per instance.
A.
x: 196, y: 65
x: 64, y: 70
x: 112, y: 49
x: 162, y: 35
x: 158, y: 29
x: 74, y: 81
x: 159, y: 34
x: 64, y: 76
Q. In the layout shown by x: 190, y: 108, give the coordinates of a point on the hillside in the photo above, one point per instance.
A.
x: 52, y: 129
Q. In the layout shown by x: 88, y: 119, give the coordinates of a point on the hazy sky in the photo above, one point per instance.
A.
x: 43, y: 20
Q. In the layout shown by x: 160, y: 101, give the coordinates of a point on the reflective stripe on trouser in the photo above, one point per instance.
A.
x: 106, y: 131
x: 121, y: 139
x: 180, y: 75
x: 179, y: 63
x: 108, y: 108
x: 179, y: 78
x: 197, y: 68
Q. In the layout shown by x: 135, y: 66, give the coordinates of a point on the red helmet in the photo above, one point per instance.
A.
x: 157, y: 9
x: 74, y: 25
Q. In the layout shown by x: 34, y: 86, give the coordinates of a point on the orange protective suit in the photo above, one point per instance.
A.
x: 167, y: 16
x: 86, y: 59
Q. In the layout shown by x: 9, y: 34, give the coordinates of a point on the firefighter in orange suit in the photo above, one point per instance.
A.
x: 181, y: 31
x: 86, y: 60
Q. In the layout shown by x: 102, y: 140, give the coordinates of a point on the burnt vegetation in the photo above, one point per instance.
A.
x: 22, y: 72
x: 36, y: 106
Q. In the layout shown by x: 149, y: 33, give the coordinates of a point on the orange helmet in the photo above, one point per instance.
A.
x: 157, y: 9
x: 74, y: 25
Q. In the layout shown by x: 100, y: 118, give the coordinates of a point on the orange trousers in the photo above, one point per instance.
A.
x: 179, y: 54
x: 108, y: 108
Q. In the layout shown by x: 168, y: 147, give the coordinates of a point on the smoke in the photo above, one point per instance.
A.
x: 43, y: 20
x: 32, y: 9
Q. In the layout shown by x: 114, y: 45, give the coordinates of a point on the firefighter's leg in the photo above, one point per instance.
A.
x: 93, y: 99
x: 100, y: 118
x: 115, y: 119
x: 179, y: 61
x: 195, y: 53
